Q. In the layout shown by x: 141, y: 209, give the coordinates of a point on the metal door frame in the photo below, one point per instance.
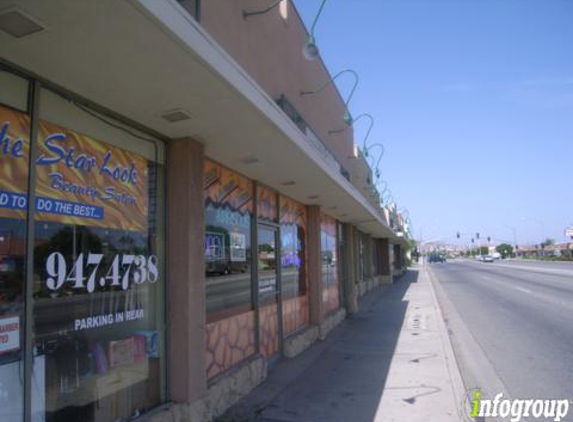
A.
x: 279, y: 291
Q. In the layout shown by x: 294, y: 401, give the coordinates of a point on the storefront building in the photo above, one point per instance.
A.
x: 167, y: 231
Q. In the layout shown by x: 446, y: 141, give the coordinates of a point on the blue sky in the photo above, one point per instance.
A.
x: 473, y: 100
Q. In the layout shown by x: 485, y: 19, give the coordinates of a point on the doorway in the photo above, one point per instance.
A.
x: 268, y: 254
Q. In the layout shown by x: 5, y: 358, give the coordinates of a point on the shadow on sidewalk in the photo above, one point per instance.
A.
x: 341, y: 378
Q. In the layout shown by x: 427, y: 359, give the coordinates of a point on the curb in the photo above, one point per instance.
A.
x: 458, y: 386
x: 474, y: 366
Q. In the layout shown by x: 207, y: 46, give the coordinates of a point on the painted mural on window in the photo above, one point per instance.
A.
x: 267, y: 207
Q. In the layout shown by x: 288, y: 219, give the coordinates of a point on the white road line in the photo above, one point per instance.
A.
x: 534, y: 294
x: 536, y: 269
x: 521, y: 289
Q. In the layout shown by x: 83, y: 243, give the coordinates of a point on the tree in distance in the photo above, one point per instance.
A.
x: 548, y: 242
x: 505, y: 250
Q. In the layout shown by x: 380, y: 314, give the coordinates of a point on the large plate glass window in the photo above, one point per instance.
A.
x: 230, y: 310
x: 361, y: 257
x: 294, y: 279
x: 268, y: 271
x: 329, y: 254
x: 14, y: 161
x: 98, y: 269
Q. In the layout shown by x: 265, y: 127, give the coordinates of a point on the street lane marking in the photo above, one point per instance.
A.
x: 538, y: 295
x: 536, y: 269
x: 521, y: 289
x: 534, y: 294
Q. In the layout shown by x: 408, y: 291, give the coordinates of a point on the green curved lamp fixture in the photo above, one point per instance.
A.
x: 373, y: 169
x: 247, y: 13
x: 310, y: 50
x: 387, y: 197
x: 360, y: 116
x: 347, y: 117
x: 366, y: 154
x: 383, y: 191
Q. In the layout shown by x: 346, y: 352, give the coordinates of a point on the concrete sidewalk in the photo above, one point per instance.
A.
x: 390, y: 362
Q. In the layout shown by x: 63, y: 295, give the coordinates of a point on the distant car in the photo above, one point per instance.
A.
x: 436, y: 258
x: 487, y: 258
x: 7, y: 264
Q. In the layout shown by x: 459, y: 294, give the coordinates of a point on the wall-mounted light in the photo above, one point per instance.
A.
x: 357, y: 118
x: 382, y: 191
x: 366, y: 153
x: 347, y: 117
x: 247, y: 13
x: 310, y: 50
x: 387, y: 196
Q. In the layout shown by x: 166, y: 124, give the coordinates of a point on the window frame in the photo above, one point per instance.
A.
x: 35, y: 85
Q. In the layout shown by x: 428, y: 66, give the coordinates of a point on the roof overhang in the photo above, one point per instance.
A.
x: 142, y: 58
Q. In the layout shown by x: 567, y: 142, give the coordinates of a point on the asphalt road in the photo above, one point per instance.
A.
x: 520, y: 314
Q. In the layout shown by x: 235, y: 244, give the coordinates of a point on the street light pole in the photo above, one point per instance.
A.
x: 514, y: 237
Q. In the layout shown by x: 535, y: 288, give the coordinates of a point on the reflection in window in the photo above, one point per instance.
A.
x: 228, y: 210
x: 362, y: 265
x: 329, y: 256
x: 14, y: 163
x: 267, y: 265
x: 102, y: 346
x: 230, y: 334
x: 293, y: 248
x: 98, y: 280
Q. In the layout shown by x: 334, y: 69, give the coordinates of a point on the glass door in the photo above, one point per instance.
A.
x: 269, y: 291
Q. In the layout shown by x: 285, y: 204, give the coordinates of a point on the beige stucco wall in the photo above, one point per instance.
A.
x: 269, y: 48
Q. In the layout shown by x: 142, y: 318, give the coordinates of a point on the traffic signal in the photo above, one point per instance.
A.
x: 488, y: 239
x: 458, y: 235
x: 477, y: 235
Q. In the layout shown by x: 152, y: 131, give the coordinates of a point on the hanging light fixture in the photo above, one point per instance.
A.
x: 247, y: 13
x: 382, y: 191
x: 375, y: 164
x: 347, y: 117
x: 387, y: 197
x: 360, y: 116
x: 310, y: 50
